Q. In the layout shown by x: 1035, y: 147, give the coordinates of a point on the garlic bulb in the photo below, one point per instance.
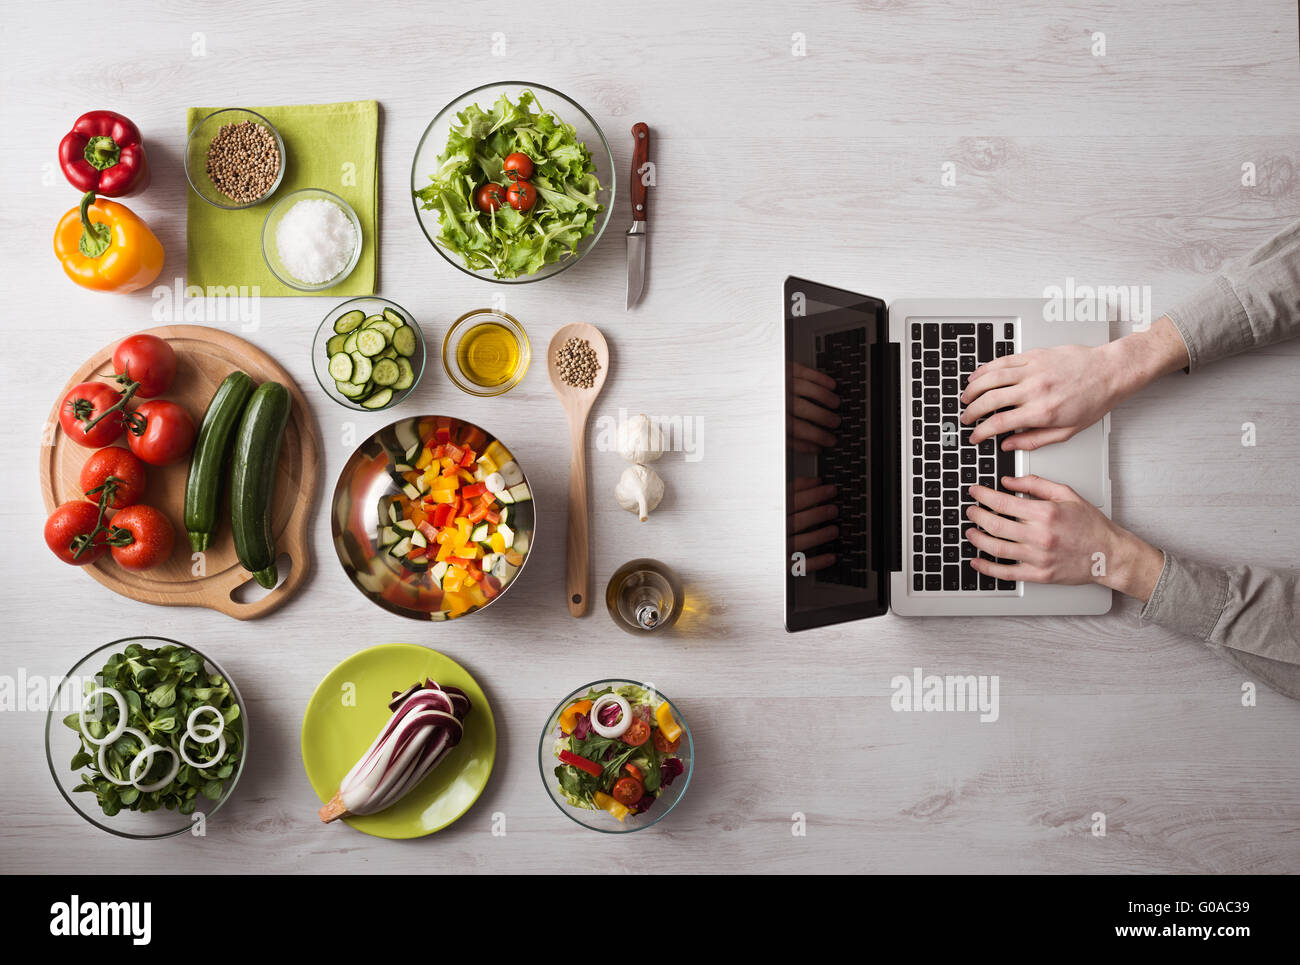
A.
x: 640, y: 439
x: 639, y: 490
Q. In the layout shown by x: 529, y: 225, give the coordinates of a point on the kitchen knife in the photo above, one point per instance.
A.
x: 636, y: 235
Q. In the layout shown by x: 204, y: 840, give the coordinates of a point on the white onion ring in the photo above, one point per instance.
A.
x: 213, y: 731
x: 117, y: 731
x: 617, y: 729
x: 103, y: 765
x: 221, y: 752
x: 147, y: 755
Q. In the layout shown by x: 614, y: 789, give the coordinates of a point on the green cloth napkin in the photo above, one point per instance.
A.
x: 328, y: 146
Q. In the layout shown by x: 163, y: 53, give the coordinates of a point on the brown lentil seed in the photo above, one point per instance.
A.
x: 577, y: 363
x: 243, y: 161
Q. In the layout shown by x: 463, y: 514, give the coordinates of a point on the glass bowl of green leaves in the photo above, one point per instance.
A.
x: 554, y: 219
x: 146, y: 737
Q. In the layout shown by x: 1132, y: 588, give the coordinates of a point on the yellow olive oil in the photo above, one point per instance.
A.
x: 488, y: 354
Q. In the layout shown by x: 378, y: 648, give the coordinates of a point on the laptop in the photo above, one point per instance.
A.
x: 901, y: 461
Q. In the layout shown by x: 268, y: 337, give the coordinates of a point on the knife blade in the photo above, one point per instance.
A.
x: 637, y: 235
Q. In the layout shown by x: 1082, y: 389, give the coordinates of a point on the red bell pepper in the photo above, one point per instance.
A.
x: 428, y: 531
x: 468, y: 459
x: 459, y: 561
x: 476, y: 489
x: 104, y: 153
x: 591, y: 767
x: 453, y: 451
x: 442, y: 515
x: 488, y: 500
x: 478, y: 514
x: 493, y: 517
x: 442, y: 435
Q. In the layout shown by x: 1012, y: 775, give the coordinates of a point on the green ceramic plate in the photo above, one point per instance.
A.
x: 338, y: 729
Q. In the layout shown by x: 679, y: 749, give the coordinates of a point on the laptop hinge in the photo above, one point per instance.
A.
x: 893, y: 450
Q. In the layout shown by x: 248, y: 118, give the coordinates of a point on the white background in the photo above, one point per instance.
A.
x: 1115, y: 169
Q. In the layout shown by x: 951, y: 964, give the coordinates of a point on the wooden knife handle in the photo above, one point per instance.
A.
x: 640, y: 155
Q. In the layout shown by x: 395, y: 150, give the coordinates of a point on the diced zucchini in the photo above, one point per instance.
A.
x: 507, y: 534
x: 401, y: 547
x: 405, y: 524
x: 480, y: 533
x: 395, y: 515
x: 417, y: 539
x: 521, y: 543
x: 511, y: 473
x: 410, y: 490
x: 436, y: 573
x: 519, y: 494
x: 388, y: 535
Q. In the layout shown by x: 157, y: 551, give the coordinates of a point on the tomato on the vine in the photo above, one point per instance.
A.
x: 141, y: 537
x: 518, y: 167
x: 84, y: 404
x: 117, y: 468
x: 160, y: 432
x: 148, y: 360
x: 490, y: 197
x: 69, y: 522
x: 522, y: 196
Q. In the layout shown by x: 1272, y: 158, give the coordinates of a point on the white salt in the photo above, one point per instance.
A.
x: 315, y: 240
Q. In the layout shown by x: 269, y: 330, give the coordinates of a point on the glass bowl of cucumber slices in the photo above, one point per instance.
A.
x: 368, y: 354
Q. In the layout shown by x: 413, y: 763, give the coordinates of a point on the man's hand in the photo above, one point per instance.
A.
x: 1055, y: 537
x: 814, y: 404
x: 812, y: 522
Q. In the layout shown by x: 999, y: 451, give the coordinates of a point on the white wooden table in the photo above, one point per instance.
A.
x: 1117, y: 169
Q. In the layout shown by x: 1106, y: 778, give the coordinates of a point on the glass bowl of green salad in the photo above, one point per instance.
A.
x: 146, y: 738
x: 513, y: 182
x: 616, y: 756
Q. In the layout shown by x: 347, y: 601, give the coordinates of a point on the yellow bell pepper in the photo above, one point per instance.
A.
x: 497, y: 454
x: 607, y: 803
x: 426, y: 457
x: 487, y: 465
x: 116, y: 252
x: 668, y: 725
x: 569, y: 716
x: 497, y: 542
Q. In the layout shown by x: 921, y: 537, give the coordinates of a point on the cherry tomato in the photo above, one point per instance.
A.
x: 519, y: 167
x: 165, y: 432
x: 146, y: 359
x: 633, y: 771
x: 628, y: 790
x: 637, y: 733
x: 490, y: 197
x: 663, y: 745
x: 522, y: 196
x: 146, y: 537
x: 69, y: 521
x: 83, y: 404
x: 126, y: 469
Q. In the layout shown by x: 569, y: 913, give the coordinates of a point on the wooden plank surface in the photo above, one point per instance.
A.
x: 1117, y: 169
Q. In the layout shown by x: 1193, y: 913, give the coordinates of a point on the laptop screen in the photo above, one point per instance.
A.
x: 838, y: 414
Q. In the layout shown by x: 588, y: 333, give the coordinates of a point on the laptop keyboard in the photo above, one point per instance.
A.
x: 944, y: 462
x: 843, y: 356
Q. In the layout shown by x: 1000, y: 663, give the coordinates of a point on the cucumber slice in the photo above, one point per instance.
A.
x: 406, y: 376
x: 361, y: 368
x: 384, y: 327
x: 385, y: 372
x: 340, y: 367
x: 348, y: 390
x: 371, y: 319
x: 335, y: 344
x: 371, y: 342
x: 349, y: 321
x: 378, y: 401
x: 350, y: 343
x: 394, y: 317
x: 404, y: 341
x: 388, y: 353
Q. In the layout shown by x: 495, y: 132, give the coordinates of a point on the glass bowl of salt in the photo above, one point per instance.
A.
x: 311, y: 239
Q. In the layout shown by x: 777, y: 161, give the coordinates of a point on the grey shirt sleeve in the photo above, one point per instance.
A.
x: 1247, y: 614
x: 1250, y: 303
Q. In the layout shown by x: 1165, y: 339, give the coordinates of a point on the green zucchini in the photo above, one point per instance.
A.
x: 208, y: 462
x: 252, y: 479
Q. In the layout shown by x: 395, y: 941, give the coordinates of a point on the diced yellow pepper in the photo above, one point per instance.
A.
x: 453, y: 579
x: 446, y: 463
x: 498, y: 454
x: 487, y: 465
x: 497, y: 542
x: 456, y: 602
x: 426, y: 457
x: 668, y: 725
x: 466, y: 475
x: 463, y: 528
x: 444, y: 550
x: 607, y: 803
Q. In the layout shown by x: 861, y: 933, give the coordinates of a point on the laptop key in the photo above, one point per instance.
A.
x: 1006, y: 462
x: 967, y: 475
x: 932, y: 510
x: 930, y: 335
x: 950, y: 497
x: 916, y: 374
x: 1009, y: 331
x: 931, y: 359
x: 964, y: 328
x: 951, y: 517
x: 969, y: 578
x: 930, y: 396
x: 1004, y: 348
x: 933, y: 544
x: 984, y: 337
x: 918, y: 543
x: 948, y: 369
x: 966, y: 364
x: 1006, y: 584
x: 918, y: 581
x: 967, y: 550
x: 950, y: 405
x: 932, y: 526
x: 930, y: 433
x: 951, y: 554
x: 933, y: 564
x: 968, y: 458
x: 966, y: 345
x: 932, y: 489
x: 951, y: 578
x: 916, y: 330
x: 933, y: 581
x: 950, y: 478
x: 931, y: 377
x: 932, y: 451
x: 987, y: 582
x: 950, y: 461
x: 918, y: 562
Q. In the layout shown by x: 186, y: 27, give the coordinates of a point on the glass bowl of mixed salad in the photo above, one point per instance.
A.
x: 432, y: 518
x: 513, y: 182
x: 616, y: 756
x: 146, y: 737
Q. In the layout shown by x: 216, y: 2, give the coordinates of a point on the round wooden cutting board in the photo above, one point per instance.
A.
x: 204, y: 356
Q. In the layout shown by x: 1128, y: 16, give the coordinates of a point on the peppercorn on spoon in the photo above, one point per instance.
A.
x: 569, y: 368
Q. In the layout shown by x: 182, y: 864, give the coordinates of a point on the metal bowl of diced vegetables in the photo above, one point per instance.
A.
x: 433, y: 518
x: 368, y: 354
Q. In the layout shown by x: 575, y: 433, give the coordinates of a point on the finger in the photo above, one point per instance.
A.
x: 1001, y: 548
x: 803, y: 409
x: 806, y: 520
x: 819, y: 395
x: 1001, y: 423
x: 1006, y: 504
x: 819, y: 562
x: 813, y: 497
x: 816, y: 538
x: 1032, y: 439
x: 1004, y: 571
x: 813, y: 375
x: 992, y: 365
x: 998, y: 526
x: 805, y: 482
x: 1040, y: 487
x: 991, y: 401
x: 984, y: 379
x: 798, y: 445
x: 810, y: 433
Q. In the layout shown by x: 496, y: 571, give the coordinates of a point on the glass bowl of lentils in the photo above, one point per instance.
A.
x: 311, y: 239
x: 234, y: 158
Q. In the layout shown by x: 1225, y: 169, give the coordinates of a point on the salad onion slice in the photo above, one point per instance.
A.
x: 620, y: 724
x: 117, y: 731
x: 146, y: 756
x: 103, y: 764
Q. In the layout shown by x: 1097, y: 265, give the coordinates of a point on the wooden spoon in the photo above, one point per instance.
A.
x: 577, y: 406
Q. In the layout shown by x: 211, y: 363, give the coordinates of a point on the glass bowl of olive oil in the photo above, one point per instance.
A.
x: 486, y: 353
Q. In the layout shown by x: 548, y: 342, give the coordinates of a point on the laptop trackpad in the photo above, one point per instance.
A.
x: 1080, y: 463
